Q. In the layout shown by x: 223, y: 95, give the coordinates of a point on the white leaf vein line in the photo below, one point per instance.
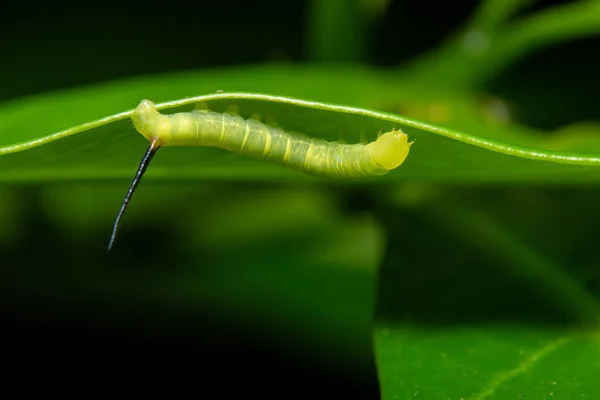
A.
x: 521, y: 368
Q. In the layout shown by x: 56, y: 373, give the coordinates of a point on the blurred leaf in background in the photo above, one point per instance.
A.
x: 472, y: 274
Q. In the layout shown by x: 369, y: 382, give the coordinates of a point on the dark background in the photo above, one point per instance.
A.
x: 50, y: 46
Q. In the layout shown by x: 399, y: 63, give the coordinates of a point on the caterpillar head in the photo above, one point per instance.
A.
x: 146, y: 119
x: 390, y: 149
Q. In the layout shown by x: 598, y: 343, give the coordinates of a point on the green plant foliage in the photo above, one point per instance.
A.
x: 498, y: 321
x: 86, y: 150
x: 470, y: 272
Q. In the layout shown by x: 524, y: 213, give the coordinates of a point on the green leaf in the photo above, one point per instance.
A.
x: 492, y: 13
x: 487, y: 363
x: 490, y: 43
x: 468, y: 310
x: 106, y: 148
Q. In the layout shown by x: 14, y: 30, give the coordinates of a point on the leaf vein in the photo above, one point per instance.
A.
x: 523, y: 367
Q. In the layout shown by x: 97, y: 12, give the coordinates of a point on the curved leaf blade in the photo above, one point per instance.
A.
x: 95, y: 149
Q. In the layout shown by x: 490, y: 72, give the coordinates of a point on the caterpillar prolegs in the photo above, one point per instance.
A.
x: 255, y: 139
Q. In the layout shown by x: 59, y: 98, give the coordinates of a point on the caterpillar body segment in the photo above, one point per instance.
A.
x: 252, y: 138
x: 202, y: 127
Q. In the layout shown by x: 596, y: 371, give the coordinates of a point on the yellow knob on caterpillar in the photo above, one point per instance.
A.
x: 390, y: 149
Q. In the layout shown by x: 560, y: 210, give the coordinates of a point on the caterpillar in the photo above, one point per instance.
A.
x: 252, y: 138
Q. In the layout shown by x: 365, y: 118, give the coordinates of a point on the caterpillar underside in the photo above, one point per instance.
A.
x: 252, y: 138
x: 255, y: 139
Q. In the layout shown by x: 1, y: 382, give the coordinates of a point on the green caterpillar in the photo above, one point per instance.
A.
x: 255, y: 139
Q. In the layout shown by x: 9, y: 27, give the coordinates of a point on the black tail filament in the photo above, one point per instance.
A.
x: 154, y: 146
